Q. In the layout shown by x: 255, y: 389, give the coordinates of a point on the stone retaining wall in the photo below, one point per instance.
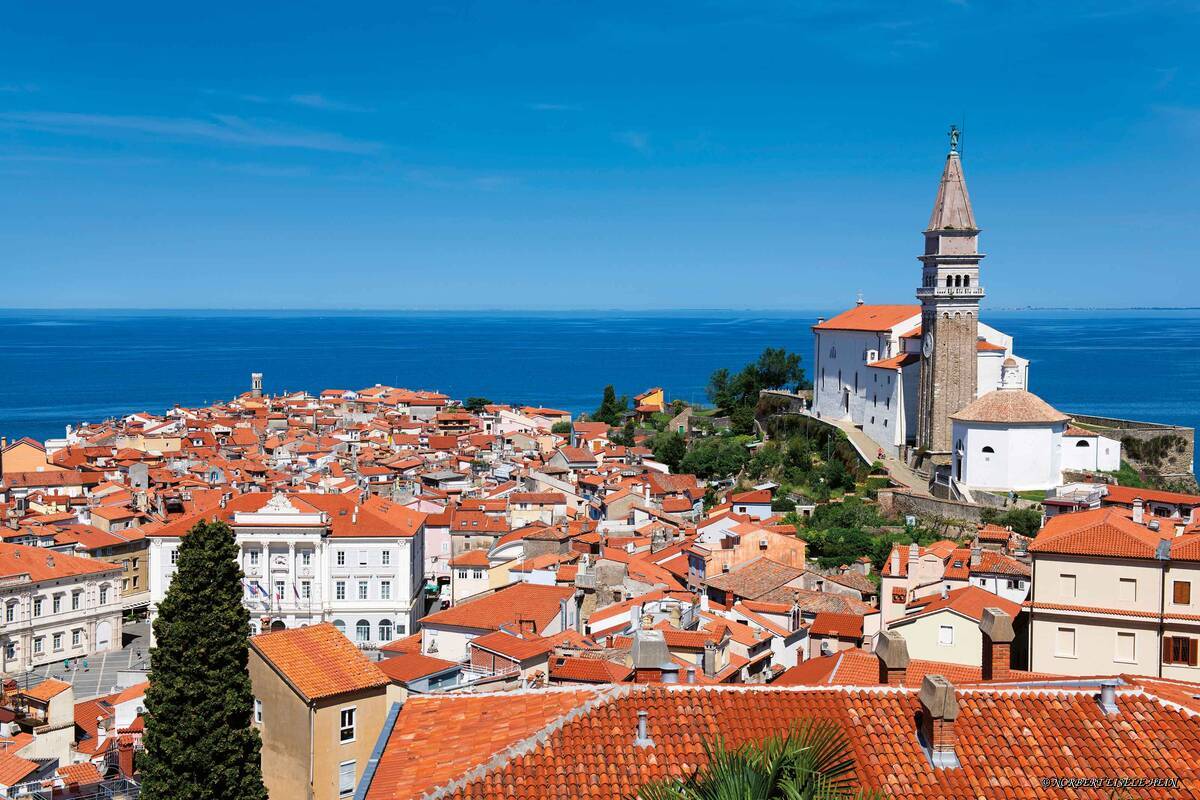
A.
x: 1177, y: 465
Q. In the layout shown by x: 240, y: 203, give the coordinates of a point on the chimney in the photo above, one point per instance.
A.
x: 643, y: 734
x: 1138, y: 511
x: 710, y: 660
x: 1108, y: 697
x: 704, y: 601
x: 997, y: 628
x: 892, y: 651
x: 895, y: 561
x: 914, y: 553
x: 691, y: 674
x: 125, y: 756
x: 101, y: 729
x: 939, y: 710
x: 976, y: 554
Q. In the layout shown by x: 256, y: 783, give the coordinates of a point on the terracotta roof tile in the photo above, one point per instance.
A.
x: 319, y: 661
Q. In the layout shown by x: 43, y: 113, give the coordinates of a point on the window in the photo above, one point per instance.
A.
x: 346, y: 728
x: 477, y: 574
x: 362, y: 557
x: 253, y: 628
x: 989, y: 449
x: 340, y: 625
x: 462, y: 574
x: 253, y: 558
x: 10, y: 650
x: 1182, y: 591
x: 305, y: 590
x: 1064, y: 643
x: 1015, y: 583
x: 135, y: 581
x: 10, y: 612
x: 363, y: 590
x: 385, y: 590
x: 258, y: 711
x: 362, y: 631
x: 134, y: 563
x: 1067, y: 585
x: 175, y: 556
x: 339, y: 590
x: 1082, y: 443
x: 1125, y: 647
x: 76, y: 600
x: 76, y: 637
x: 346, y: 778
x: 341, y: 558
x: 1127, y: 590
x: 56, y: 641
x: 385, y: 630
x: 1176, y: 650
x: 945, y: 634
x: 385, y: 558
x: 305, y: 558
x: 38, y: 644
x: 278, y: 590
x: 56, y: 603
x: 37, y: 606
x: 103, y: 595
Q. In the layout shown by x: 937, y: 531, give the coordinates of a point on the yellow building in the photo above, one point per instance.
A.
x: 24, y: 455
x: 319, y: 705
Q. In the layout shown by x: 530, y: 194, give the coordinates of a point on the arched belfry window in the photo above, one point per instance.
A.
x: 988, y: 449
x: 966, y: 280
x: 949, y: 281
x: 1082, y: 443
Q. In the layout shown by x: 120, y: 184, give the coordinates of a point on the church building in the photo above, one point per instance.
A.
x: 907, y: 374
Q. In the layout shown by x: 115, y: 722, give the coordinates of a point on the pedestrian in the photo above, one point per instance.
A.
x: 85, y: 665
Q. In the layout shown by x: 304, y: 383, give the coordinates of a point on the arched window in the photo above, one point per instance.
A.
x: 958, y: 280
x: 1083, y: 443
x: 362, y: 631
x: 949, y: 281
x: 385, y: 630
x: 988, y: 449
x: 340, y: 625
x: 966, y: 280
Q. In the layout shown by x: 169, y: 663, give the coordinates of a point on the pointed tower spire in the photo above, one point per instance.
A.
x: 952, y: 208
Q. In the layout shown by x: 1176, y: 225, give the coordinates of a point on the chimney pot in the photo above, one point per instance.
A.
x: 892, y: 652
x: 643, y: 739
x: 939, y: 710
x: 1108, y: 697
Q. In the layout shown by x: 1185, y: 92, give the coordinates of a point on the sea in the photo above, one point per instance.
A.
x: 65, y: 367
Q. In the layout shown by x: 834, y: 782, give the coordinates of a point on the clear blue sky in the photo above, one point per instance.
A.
x: 569, y: 155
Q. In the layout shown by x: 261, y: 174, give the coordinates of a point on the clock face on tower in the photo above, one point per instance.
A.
x: 927, y: 344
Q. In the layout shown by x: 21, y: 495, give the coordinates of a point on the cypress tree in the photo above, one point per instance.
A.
x: 199, y: 741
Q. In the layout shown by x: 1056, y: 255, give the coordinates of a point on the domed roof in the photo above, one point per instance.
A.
x: 1013, y: 406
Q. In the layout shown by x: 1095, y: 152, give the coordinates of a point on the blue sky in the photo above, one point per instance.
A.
x: 765, y: 155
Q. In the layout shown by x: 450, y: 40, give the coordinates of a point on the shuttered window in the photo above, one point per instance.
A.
x: 346, y: 777
x: 1180, y: 650
x: 1183, y: 593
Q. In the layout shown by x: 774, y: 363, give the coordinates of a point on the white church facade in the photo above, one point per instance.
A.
x: 934, y: 386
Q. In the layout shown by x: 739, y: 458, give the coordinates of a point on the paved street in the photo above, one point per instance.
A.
x: 869, y: 450
x: 100, y: 676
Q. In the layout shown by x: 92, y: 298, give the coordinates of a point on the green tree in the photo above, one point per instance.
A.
x: 561, y: 428
x: 476, y: 403
x: 669, y: 448
x: 611, y: 408
x: 199, y: 741
x: 716, y: 457
x: 813, y: 762
x: 1025, y: 521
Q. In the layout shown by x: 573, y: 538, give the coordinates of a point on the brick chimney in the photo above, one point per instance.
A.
x: 997, y: 628
x: 892, y: 651
x: 125, y: 756
x: 939, y: 710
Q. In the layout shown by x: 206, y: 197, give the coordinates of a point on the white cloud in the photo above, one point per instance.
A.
x: 225, y: 129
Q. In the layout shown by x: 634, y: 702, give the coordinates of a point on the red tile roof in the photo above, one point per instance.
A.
x: 41, y: 564
x: 410, y: 666
x: 970, y: 601
x: 869, y: 318
x: 548, y: 744
x: 508, y: 605
x: 1109, y: 531
x: 319, y: 661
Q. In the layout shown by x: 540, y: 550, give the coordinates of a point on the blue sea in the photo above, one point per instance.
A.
x: 63, y: 367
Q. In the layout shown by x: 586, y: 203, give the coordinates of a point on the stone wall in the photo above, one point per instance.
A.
x: 961, y: 516
x: 1176, y: 465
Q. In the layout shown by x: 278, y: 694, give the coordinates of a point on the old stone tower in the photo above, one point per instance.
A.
x: 949, y: 295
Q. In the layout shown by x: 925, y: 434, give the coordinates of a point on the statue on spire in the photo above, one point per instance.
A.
x: 955, y: 133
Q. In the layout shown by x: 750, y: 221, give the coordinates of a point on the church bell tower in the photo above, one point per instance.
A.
x: 949, y: 295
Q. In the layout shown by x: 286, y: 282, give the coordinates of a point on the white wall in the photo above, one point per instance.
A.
x: 1024, y: 457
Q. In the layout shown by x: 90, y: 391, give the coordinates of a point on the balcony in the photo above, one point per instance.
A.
x: 936, y: 292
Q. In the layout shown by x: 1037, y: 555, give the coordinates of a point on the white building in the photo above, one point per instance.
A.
x: 868, y: 369
x: 310, y: 558
x: 56, y: 607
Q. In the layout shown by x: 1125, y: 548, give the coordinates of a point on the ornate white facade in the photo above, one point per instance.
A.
x: 317, y: 558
